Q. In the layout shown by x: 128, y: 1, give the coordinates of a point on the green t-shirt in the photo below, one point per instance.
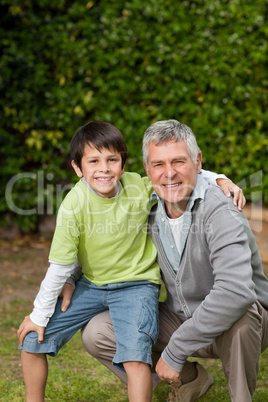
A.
x: 108, y: 235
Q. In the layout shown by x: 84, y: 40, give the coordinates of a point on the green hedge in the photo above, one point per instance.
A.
x: 131, y: 63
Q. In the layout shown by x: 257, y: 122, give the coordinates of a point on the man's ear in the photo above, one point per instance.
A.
x: 199, y: 163
x: 77, y: 169
x: 146, y: 170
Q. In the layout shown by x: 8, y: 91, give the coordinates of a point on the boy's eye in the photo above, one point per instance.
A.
x: 115, y: 159
x: 93, y: 161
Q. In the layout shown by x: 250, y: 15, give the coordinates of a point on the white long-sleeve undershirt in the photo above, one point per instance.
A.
x: 51, y: 286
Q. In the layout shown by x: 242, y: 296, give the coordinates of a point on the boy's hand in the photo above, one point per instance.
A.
x: 27, y: 326
x: 229, y: 187
x: 66, y: 294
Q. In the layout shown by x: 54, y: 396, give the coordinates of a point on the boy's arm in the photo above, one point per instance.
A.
x: 211, y: 177
x: 69, y: 286
x: 27, y: 326
x: 227, y: 186
x: 46, y: 299
x: 75, y: 275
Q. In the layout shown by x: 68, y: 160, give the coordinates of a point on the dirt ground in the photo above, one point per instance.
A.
x: 24, y: 262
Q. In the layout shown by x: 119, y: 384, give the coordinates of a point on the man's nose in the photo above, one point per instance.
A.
x: 170, y: 172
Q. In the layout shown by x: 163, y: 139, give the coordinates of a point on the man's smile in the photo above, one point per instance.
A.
x: 172, y: 185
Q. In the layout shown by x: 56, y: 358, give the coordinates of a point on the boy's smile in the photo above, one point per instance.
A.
x: 101, y: 170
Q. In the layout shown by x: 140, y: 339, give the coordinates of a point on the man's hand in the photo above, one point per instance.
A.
x: 27, y: 326
x: 165, y: 373
x: 229, y: 187
x: 66, y: 294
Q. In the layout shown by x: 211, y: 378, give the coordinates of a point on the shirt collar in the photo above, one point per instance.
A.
x: 199, y: 192
x: 154, y: 197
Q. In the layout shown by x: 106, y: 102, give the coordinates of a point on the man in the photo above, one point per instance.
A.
x: 217, y: 293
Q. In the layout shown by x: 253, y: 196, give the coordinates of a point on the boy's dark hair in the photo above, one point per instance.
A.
x: 99, y: 135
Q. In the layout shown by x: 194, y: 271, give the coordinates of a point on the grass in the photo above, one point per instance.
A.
x: 76, y: 376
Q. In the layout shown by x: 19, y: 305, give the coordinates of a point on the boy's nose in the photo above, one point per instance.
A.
x: 104, y: 167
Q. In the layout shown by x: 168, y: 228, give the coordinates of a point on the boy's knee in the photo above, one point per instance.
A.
x: 135, y: 366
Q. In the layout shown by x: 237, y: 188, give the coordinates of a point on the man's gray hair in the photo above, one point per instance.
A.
x: 169, y: 130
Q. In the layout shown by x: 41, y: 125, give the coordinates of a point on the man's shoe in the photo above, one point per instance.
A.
x: 192, y: 390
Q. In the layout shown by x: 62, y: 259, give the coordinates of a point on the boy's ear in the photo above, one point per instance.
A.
x: 77, y: 169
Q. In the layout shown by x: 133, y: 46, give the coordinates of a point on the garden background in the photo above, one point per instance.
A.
x: 131, y: 63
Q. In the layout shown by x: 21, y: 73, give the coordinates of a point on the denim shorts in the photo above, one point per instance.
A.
x: 133, y: 308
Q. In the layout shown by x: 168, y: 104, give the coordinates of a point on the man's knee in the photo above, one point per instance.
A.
x: 249, y: 326
x: 243, y: 338
x: 256, y: 325
x: 98, y: 336
x: 90, y: 338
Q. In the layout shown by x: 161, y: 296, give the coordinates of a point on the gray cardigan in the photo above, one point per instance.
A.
x: 219, y: 275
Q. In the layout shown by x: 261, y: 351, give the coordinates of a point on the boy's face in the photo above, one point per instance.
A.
x: 101, y: 170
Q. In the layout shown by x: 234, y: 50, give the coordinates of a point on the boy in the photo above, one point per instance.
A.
x: 103, y: 222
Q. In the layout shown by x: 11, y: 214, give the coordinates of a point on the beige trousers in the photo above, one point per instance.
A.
x: 239, y: 348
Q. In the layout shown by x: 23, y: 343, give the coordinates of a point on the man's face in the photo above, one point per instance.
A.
x: 173, y: 174
x: 101, y: 170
